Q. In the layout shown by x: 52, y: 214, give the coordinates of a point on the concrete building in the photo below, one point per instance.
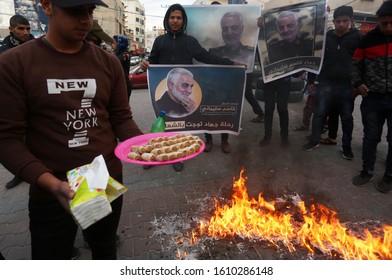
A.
x: 112, y: 19
x: 135, y: 21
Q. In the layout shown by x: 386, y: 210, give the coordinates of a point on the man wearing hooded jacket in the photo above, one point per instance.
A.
x: 124, y: 56
x: 176, y: 47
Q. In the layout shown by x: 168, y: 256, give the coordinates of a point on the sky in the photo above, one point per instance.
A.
x: 155, y: 10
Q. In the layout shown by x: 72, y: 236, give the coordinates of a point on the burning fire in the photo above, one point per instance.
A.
x: 318, y: 228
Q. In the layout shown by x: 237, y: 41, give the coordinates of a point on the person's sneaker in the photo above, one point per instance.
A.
x: 258, y: 119
x: 264, y: 142
x: 226, y: 147
x: 284, y: 143
x: 310, y: 146
x: 75, y: 253
x: 363, y: 178
x: 13, y: 183
x: 347, y: 153
x: 300, y: 127
x: 178, y: 166
x: 385, y: 184
x: 209, y: 145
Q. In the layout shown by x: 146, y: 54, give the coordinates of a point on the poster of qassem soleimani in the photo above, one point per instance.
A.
x: 292, y: 39
x: 198, y: 98
x: 232, y: 30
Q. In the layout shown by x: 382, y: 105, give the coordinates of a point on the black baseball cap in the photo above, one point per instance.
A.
x: 75, y: 3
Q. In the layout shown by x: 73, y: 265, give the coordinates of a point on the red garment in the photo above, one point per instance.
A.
x: 59, y: 111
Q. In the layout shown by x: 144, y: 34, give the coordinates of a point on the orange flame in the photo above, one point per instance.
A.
x: 181, y: 255
x: 317, y: 228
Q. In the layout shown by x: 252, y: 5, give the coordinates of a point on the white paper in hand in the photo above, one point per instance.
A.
x: 97, y: 175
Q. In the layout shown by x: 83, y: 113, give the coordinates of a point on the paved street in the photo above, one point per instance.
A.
x: 159, y: 194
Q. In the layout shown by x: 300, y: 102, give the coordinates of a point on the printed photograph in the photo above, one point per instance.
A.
x: 232, y: 30
x: 198, y: 98
x: 291, y: 39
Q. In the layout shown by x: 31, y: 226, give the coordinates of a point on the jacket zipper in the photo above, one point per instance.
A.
x: 174, y: 47
x: 386, y: 66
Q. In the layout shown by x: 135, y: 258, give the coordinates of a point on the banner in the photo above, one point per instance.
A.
x: 292, y: 39
x: 198, y: 98
x: 232, y: 30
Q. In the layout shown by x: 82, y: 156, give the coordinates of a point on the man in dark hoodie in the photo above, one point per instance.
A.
x: 124, y: 56
x: 335, y: 81
x: 373, y: 79
x: 176, y: 47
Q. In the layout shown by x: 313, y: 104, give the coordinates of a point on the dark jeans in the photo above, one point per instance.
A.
x: 333, y: 120
x: 374, y: 111
x: 249, y: 96
x: 53, y: 232
x: 277, y: 92
x: 308, y: 110
x: 224, y: 136
x: 328, y: 93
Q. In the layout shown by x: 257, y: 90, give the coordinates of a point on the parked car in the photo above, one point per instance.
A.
x: 135, y: 60
x: 138, y: 77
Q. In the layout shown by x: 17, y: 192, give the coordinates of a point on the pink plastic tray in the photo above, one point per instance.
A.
x: 124, y: 148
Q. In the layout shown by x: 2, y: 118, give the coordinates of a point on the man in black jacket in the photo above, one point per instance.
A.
x: 19, y: 33
x: 373, y: 79
x: 176, y: 47
x: 124, y: 56
x: 335, y: 81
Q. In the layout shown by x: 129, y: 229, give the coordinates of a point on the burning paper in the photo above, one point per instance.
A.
x: 285, y: 224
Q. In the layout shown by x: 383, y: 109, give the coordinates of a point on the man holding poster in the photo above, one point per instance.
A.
x: 177, y: 47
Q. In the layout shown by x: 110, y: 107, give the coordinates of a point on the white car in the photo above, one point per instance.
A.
x: 135, y: 60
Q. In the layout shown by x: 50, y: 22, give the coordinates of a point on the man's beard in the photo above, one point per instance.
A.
x: 178, y: 96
